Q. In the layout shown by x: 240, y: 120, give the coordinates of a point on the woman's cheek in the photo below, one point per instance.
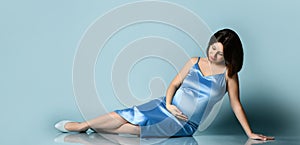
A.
x: 221, y: 58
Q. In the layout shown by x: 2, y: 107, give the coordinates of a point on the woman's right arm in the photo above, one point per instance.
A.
x: 174, y: 85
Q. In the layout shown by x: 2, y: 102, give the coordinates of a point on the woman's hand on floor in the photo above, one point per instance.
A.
x: 260, y: 137
x: 176, y: 112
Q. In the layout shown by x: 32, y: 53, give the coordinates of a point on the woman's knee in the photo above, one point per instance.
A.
x: 134, y: 129
x: 116, y: 116
x: 138, y: 130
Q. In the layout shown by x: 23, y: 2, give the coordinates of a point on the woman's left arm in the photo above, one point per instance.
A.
x: 234, y: 96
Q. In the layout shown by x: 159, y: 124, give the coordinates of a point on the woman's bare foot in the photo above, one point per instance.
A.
x: 77, y: 126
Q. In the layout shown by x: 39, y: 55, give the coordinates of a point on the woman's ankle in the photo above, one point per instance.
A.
x: 83, y: 126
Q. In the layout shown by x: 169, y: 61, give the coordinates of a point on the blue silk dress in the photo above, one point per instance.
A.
x: 195, y: 97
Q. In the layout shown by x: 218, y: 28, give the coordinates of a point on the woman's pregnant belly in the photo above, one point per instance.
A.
x: 191, y: 103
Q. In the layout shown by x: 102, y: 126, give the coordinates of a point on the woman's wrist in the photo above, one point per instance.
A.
x: 168, y: 104
x: 249, y: 133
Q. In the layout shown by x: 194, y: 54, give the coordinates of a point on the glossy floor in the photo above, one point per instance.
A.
x: 112, y: 139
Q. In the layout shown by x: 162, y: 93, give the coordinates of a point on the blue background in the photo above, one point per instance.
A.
x: 38, y: 42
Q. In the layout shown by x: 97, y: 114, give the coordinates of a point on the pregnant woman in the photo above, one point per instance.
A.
x: 189, y: 99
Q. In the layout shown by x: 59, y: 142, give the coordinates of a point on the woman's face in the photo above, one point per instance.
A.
x: 215, y: 53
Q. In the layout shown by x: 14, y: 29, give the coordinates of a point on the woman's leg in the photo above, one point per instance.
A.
x: 111, y: 122
x: 125, y: 128
x: 108, y: 121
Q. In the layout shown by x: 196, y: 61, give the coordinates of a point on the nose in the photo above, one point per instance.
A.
x: 214, y: 54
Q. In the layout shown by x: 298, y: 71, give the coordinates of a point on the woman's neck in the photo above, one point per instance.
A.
x: 215, y: 64
x: 216, y: 67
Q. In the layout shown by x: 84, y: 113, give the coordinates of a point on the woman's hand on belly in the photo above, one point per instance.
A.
x: 176, y: 112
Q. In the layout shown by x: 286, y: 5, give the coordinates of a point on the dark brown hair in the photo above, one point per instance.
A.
x: 232, y: 49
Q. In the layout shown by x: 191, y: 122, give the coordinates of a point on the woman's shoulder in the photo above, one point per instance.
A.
x: 194, y: 59
x: 235, y: 77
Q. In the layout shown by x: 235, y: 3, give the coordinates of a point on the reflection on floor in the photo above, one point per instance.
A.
x: 113, y: 139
